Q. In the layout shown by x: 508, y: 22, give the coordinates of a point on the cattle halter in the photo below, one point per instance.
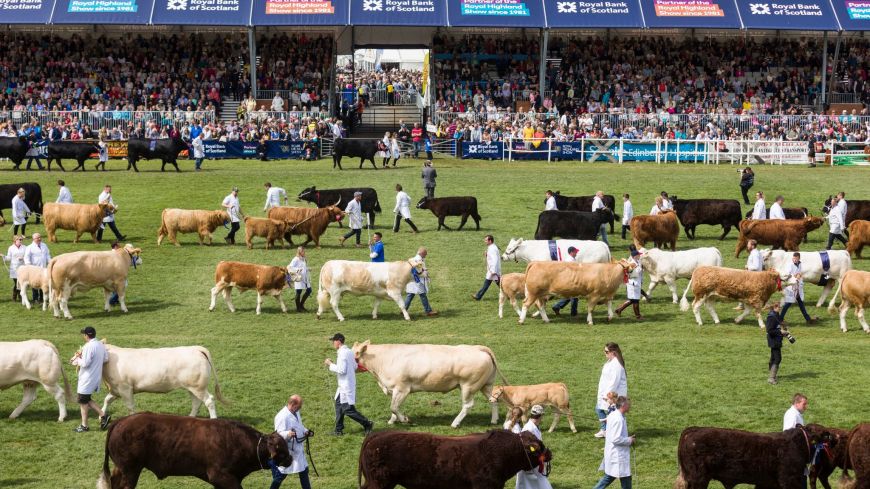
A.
x: 257, y: 452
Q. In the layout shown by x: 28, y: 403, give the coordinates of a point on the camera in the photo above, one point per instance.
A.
x: 790, y: 337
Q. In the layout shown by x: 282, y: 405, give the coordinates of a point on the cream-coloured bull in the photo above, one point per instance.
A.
x: 161, y: 370
x: 381, y: 280
x: 82, y: 271
x: 511, y: 286
x: 403, y: 369
x: 32, y: 363
x: 554, y: 394
x: 174, y: 221
x: 855, y: 287
x: 81, y: 218
x: 33, y: 277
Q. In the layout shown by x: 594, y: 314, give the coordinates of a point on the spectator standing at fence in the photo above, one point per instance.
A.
x: 627, y: 214
x: 776, y: 211
x: 274, y: 195
x: 429, y: 175
x: 759, y: 212
x: 598, y: 204
x: 277, y: 103
x: 195, y: 129
x: 417, y: 138
x: 231, y: 204
x: 747, y: 180
x: 403, y: 210
x: 391, y: 93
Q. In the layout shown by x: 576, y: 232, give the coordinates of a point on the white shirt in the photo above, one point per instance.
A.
x: 274, y: 196
x: 37, y: 255
x: 597, y: 203
x: 345, y: 368
x: 634, y: 286
x: 285, y: 422
x: 776, y: 211
x: 627, y: 212
x: 233, y: 207
x: 759, y: 212
x: 106, y: 198
x: 836, y: 222
x: 90, y: 364
x: 666, y: 204
x: 19, y: 210
x: 64, y: 196
x: 354, y: 214
x: 617, y: 447
x: 277, y: 104
x: 755, y: 262
x: 550, y: 205
x: 421, y: 287
x: 532, y: 479
x: 656, y: 210
x: 612, y: 380
x: 792, y: 292
x: 15, y: 257
x: 104, y: 151
x: 198, y: 148
x: 841, y: 205
x: 300, y: 266
x: 403, y: 204
x: 792, y: 418
x: 493, y: 263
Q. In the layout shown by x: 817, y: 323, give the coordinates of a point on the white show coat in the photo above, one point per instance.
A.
x: 285, y: 422
x: 759, y: 212
x: 612, y: 380
x: 776, y: 211
x: 532, y: 479
x: 15, y: 258
x: 90, y: 364
x: 37, y: 255
x: 386, y: 152
x: 403, y: 204
x: 421, y: 287
x: 635, y: 282
x: 103, y: 153
x: 64, y: 196
x: 789, y: 291
x: 354, y: 214
x: 550, y: 205
x: 493, y: 263
x: 345, y: 368
x: 666, y: 204
x: 198, y: 148
x: 19, y: 210
x: 836, y: 222
x: 233, y: 210
x: 274, y: 196
x: 617, y: 447
x: 755, y: 262
x: 841, y: 205
x: 597, y: 203
x: 300, y: 266
x: 627, y: 213
x: 792, y: 418
x: 397, y: 152
x: 656, y: 210
x: 106, y: 198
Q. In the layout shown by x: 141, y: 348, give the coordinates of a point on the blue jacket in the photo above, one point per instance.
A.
x: 379, y: 249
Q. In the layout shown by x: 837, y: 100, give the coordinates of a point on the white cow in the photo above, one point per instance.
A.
x: 668, y: 266
x: 381, y: 280
x: 161, y: 370
x: 33, y: 277
x: 403, y: 369
x: 30, y: 363
x: 519, y: 249
x: 811, y: 266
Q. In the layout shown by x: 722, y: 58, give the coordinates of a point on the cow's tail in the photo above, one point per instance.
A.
x: 66, y: 389
x: 217, y: 385
x: 104, y: 482
x: 846, y: 481
x: 163, y: 231
x: 494, y: 364
x: 684, y: 303
x: 377, y: 206
x: 832, y: 307
x: 680, y: 483
x: 51, y: 299
x: 362, y: 462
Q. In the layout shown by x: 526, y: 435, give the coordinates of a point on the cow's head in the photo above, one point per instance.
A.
x: 133, y: 253
x: 496, y: 393
x: 827, y: 207
x: 416, y: 265
x: 511, y: 249
x: 335, y: 213
x: 537, y: 454
x: 424, y: 203
x: 220, y: 218
x: 765, y: 256
x: 278, y: 451
x: 308, y: 194
x: 292, y: 275
x: 813, y: 222
x: 107, y: 208
x: 359, y: 349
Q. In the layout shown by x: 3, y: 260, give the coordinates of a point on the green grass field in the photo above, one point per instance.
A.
x: 679, y: 374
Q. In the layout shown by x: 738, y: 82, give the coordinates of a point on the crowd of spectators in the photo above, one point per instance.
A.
x: 392, y: 86
x: 297, y: 66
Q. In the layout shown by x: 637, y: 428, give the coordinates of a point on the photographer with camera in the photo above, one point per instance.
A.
x: 776, y: 331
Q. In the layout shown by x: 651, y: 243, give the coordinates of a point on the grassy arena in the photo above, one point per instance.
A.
x: 679, y: 374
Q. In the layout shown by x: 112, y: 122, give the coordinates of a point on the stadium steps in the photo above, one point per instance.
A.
x: 378, y: 119
x: 229, y: 108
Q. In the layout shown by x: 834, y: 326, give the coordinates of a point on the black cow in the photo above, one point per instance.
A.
x: 855, y: 210
x: 165, y: 150
x: 364, y: 149
x: 583, y: 203
x: 713, y: 212
x: 32, y: 196
x: 451, y: 206
x: 79, y: 151
x: 571, y: 224
x: 14, y: 148
x: 327, y: 197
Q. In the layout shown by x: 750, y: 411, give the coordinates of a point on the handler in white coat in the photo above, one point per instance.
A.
x: 795, y: 293
x: 627, y: 214
x: 634, y: 286
x: 15, y: 258
x: 533, y: 479
x: 288, y: 424
x: 617, y: 448
x: 403, y: 210
x: 20, y: 211
x: 302, y: 286
x: 836, y: 223
x: 612, y: 379
x: 598, y: 204
x: 105, y: 197
x: 64, y: 196
x: 90, y: 362
x: 776, y: 211
x: 550, y: 201
x: 493, y: 267
x: 354, y: 217
x: 759, y: 212
x: 345, y: 396
x: 274, y: 196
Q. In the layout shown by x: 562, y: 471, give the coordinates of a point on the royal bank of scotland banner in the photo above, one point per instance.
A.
x: 201, y: 12
x: 483, y: 151
x: 25, y: 11
x: 398, y: 12
x: 496, y: 13
x: 789, y: 14
x: 594, y: 14
x: 701, y: 14
x: 300, y: 12
x: 134, y: 12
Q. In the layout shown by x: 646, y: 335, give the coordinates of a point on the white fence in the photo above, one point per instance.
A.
x: 264, y: 115
x: 381, y: 97
x: 108, y: 119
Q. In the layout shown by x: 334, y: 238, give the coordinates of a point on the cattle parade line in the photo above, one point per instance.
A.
x: 679, y: 374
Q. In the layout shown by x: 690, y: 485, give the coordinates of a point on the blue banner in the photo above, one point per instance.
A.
x: 854, y: 15
x: 25, y: 11
x: 788, y: 14
x: 300, y: 12
x: 398, y: 12
x: 594, y: 14
x: 134, y: 12
x: 496, y: 13
x: 701, y: 14
x: 201, y: 12
x: 275, y: 150
x: 482, y: 150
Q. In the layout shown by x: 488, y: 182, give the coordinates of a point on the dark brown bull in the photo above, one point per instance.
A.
x: 831, y: 455
x: 427, y: 461
x: 451, y: 206
x: 857, y: 458
x: 306, y: 221
x: 712, y: 212
x: 218, y: 451
x: 764, y: 460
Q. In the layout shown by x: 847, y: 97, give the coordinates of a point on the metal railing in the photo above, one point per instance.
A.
x: 287, y: 116
x: 108, y: 119
x: 381, y: 97
x: 287, y: 95
x: 844, y: 98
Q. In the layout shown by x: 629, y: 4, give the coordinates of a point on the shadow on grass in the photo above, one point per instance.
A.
x: 41, y: 415
x: 17, y: 482
x: 135, y: 307
x: 799, y: 375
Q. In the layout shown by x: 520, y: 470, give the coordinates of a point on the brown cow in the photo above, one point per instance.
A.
x: 554, y: 394
x: 857, y: 458
x: 855, y: 286
x: 427, y: 461
x: 598, y: 282
x: 859, y: 235
x: 511, y: 286
x: 763, y: 460
x: 306, y: 221
x: 202, y: 222
x: 271, y: 229
x: 219, y: 451
x: 81, y: 218
x: 751, y: 288
x: 265, y: 279
x: 661, y: 229
x: 786, y: 234
x: 831, y: 455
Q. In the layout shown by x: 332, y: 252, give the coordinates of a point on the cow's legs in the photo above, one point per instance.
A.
x: 725, y: 231
x: 541, y: 304
x: 672, y: 284
x: 29, y: 396
x: 844, y: 309
x: 397, y: 298
x: 758, y: 317
x: 214, y: 292
x: 590, y: 306
x: 555, y: 419
x: 81, y: 164
x: 652, y: 286
x: 486, y: 390
x: 570, y: 415
x: 108, y: 295
x: 333, y: 301
x: 125, y: 479
x: 746, y: 309
x: 859, y: 311
x: 825, y: 291
x: 64, y: 305
x: 222, y: 480
x: 59, y: 395
x: 259, y: 301
x: 462, y: 222
x: 24, y: 288
x: 375, y: 304
x: 399, y: 395
x: 467, y: 403
x: 696, y: 310
x: 711, y: 308
x: 228, y: 298
x: 208, y: 400
x: 121, y: 289
x: 441, y: 223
